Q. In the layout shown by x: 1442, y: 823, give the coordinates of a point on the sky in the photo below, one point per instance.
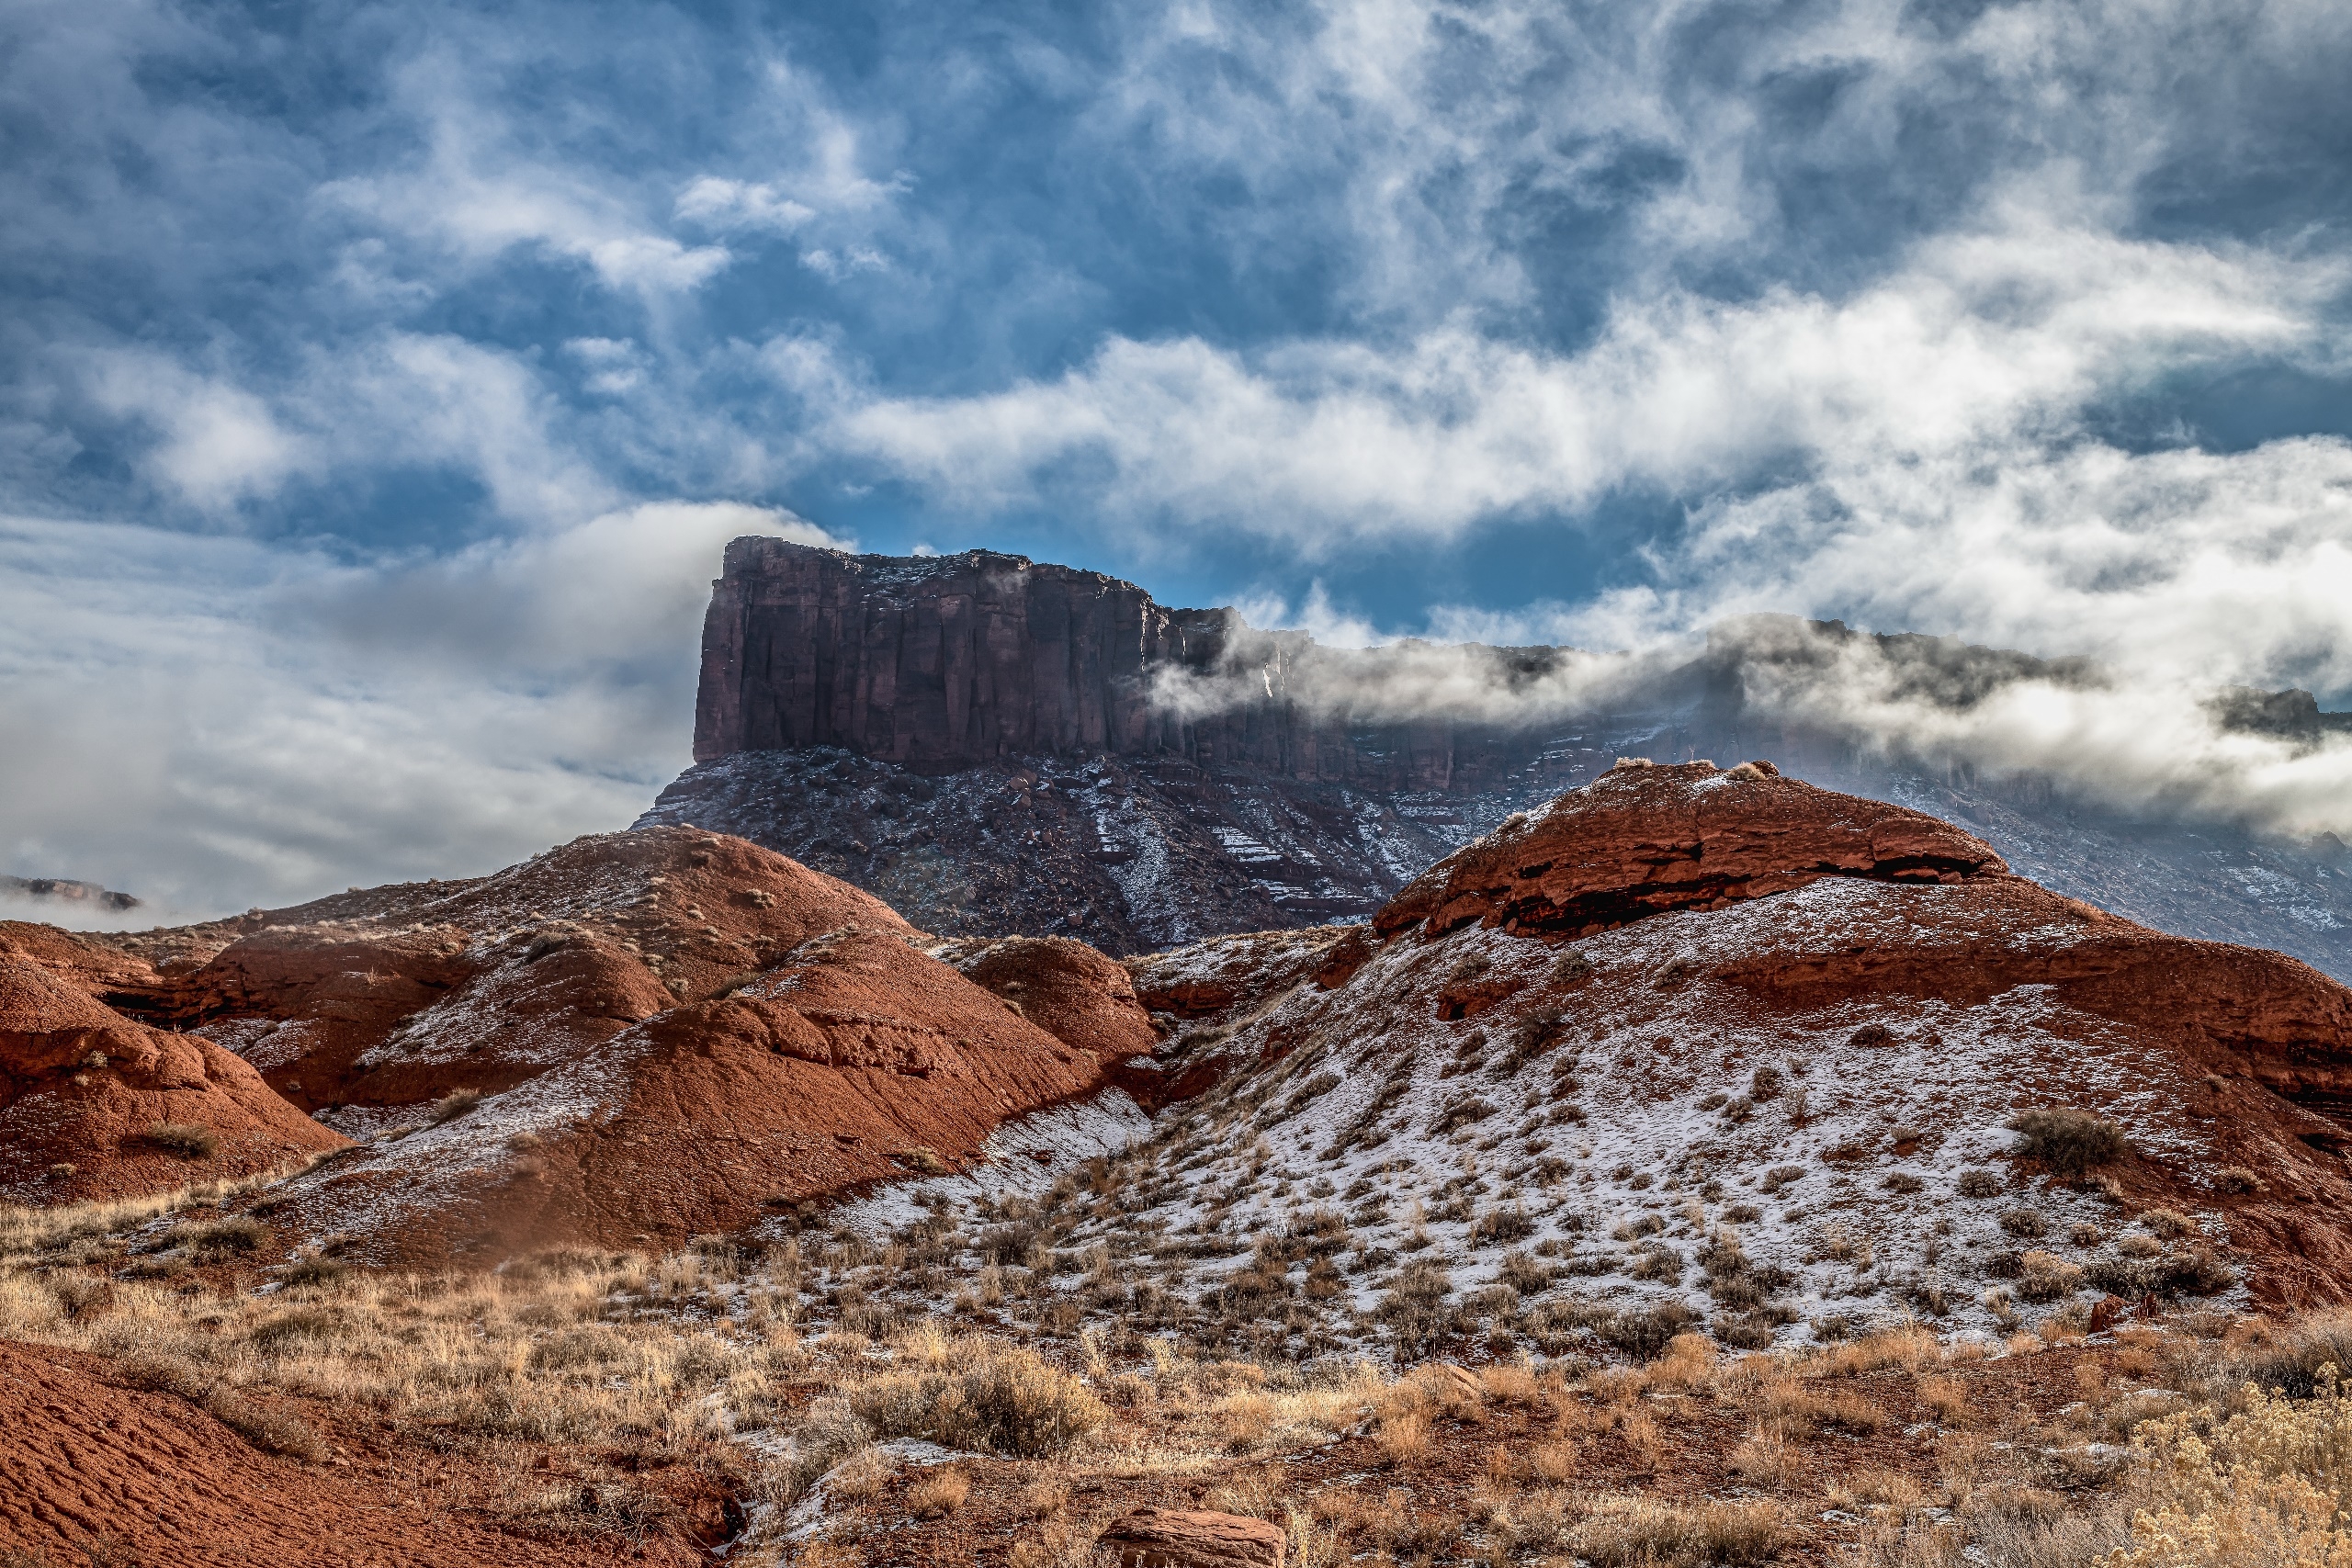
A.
x: 377, y: 384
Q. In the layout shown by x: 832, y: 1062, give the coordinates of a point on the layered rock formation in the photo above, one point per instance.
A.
x: 994, y: 745
x: 950, y: 662
x: 1645, y: 839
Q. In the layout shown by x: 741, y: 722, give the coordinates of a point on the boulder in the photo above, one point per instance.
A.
x: 83, y: 1091
x: 1168, y: 1538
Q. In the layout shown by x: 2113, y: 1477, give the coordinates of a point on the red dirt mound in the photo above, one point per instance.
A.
x: 90, y: 1471
x: 858, y: 1060
x: 490, y: 982
x: 1813, y: 1092
x: 1074, y: 993
x: 93, y: 964
x: 1643, y: 840
x: 90, y: 1097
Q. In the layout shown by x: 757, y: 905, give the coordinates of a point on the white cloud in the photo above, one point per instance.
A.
x: 1983, y: 335
x: 479, y: 195
x: 216, y: 444
x: 741, y: 204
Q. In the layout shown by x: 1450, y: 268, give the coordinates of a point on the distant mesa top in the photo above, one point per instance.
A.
x: 88, y: 894
x: 952, y: 660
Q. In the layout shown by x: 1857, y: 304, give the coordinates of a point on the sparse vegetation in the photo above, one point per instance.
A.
x: 454, y: 1104
x: 184, y: 1140
x: 2069, y: 1142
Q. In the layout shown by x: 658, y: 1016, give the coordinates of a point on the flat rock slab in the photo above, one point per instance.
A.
x: 1164, y: 1537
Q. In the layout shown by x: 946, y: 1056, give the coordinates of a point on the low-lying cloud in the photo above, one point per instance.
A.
x: 211, y: 723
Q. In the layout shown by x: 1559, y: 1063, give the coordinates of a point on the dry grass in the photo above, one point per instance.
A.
x: 1646, y: 1532
x: 968, y: 1394
x: 185, y: 1140
x: 938, y: 1493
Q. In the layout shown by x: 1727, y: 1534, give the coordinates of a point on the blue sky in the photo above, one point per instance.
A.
x: 376, y: 383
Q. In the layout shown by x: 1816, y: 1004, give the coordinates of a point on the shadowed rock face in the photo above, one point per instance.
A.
x: 952, y: 661
x: 1646, y: 839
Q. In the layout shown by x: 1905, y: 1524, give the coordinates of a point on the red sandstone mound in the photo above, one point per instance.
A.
x: 96, y: 1106
x: 483, y: 984
x: 649, y: 1035
x: 857, y: 1059
x: 1775, y: 1079
x: 1071, y: 991
x: 92, y: 1472
x: 1640, y: 840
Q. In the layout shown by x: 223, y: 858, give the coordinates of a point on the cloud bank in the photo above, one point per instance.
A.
x: 220, y: 725
x: 364, y: 370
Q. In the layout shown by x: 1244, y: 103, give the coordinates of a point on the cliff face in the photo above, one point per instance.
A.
x: 952, y: 662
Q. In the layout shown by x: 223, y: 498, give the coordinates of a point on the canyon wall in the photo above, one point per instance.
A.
x: 951, y: 661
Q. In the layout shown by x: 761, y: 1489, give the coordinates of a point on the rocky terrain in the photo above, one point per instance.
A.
x: 993, y: 745
x: 663, y: 1193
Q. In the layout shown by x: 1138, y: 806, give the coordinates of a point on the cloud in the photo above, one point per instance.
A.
x: 216, y: 443
x: 1984, y: 334
x: 479, y: 194
x: 216, y: 723
x: 1993, y: 320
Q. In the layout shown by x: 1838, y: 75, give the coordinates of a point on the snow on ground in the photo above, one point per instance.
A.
x: 1831, y: 1144
x: 1026, y: 1155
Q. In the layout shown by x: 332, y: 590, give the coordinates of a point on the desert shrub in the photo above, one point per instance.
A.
x: 184, y: 1140
x: 938, y: 1492
x: 2237, y: 1178
x: 1644, y: 1333
x: 235, y: 1232
x: 2195, y: 1273
x: 454, y: 1104
x: 1506, y: 1223
x: 993, y: 1400
x: 288, y: 1328
x: 2289, y: 1363
x: 2068, y: 1141
x: 1458, y: 1113
x: 2026, y: 1224
x: 1523, y: 1273
x: 1658, y: 1262
x: 1980, y: 1184
x: 1413, y: 1308
x: 924, y: 1160
x: 2265, y: 1485
x: 1624, y: 1531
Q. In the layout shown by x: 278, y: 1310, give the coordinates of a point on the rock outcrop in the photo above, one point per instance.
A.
x: 946, y: 662
x: 995, y: 745
x: 653, y: 1034
x: 1188, y: 1537
x: 1643, y: 840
